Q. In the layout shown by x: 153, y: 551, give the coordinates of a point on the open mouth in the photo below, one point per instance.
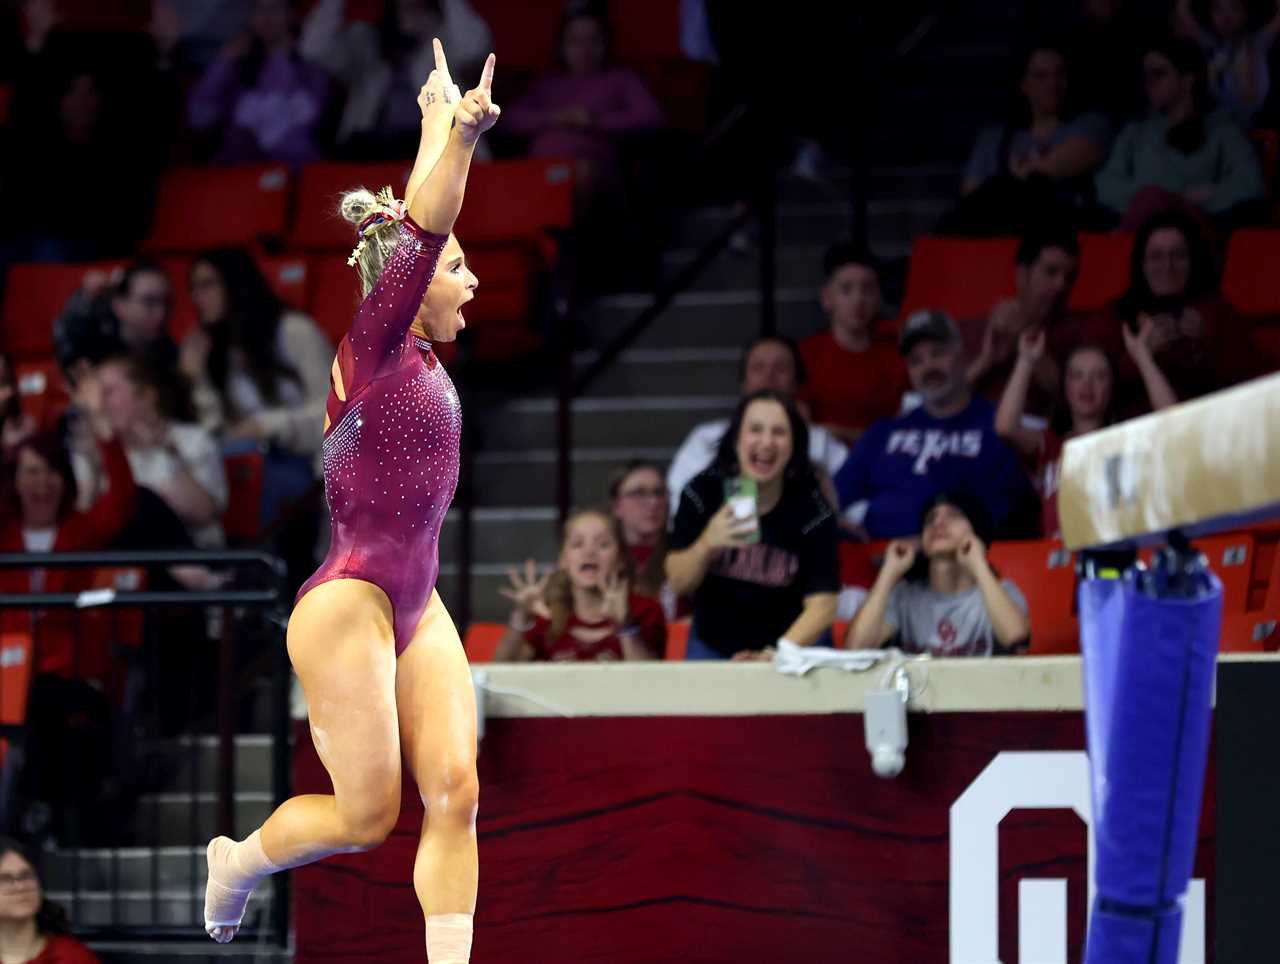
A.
x: 589, y: 569
x: 763, y: 464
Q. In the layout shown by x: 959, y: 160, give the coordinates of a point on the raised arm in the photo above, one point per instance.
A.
x: 388, y: 310
x: 1159, y: 392
x: 437, y: 100
x: 1013, y: 401
x: 436, y: 204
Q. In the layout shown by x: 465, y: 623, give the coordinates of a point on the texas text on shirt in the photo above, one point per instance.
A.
x: 901, y: 462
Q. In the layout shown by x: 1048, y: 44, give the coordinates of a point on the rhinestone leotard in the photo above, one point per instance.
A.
x: 391, y: 451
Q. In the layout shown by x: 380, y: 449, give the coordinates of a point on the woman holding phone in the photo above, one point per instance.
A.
x: 754, y: 541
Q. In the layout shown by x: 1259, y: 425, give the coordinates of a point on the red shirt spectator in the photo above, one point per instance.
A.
x: 65, y: 950
x: 598, y: 640
x: 585, y: 608
x: 853, y: 376
x: 41, y: 519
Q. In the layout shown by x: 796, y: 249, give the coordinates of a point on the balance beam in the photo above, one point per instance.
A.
x: 1202, y: 466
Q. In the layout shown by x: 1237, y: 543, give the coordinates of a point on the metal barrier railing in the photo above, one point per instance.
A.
x: 125, y: 696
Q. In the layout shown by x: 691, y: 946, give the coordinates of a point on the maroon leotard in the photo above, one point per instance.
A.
x: 391, y: 451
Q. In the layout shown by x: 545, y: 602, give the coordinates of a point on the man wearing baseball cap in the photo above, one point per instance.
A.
x: 947, y: 443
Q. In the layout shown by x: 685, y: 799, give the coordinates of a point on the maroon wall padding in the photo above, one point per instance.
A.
x: 709, y: 839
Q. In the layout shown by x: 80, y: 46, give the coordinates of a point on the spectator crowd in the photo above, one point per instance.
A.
x: 924, y: 438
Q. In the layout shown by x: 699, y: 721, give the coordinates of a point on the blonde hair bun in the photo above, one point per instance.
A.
x: 357, y: 205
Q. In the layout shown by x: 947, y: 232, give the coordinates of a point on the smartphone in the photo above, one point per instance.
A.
x: 741, y: 494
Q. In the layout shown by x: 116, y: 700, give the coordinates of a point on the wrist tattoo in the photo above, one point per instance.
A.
x: 431, y: 98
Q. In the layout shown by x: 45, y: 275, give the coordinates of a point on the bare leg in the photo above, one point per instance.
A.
x: 438, y: 732
x: 343, y: 650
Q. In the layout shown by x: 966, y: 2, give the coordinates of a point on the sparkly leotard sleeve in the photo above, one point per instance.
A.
x: 391, y: 450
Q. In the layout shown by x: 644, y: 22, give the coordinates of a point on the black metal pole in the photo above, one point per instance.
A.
x: 564, y: 413
x: 226, y: 731
x: 768, y: 251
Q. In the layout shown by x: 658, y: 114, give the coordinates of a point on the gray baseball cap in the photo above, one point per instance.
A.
x: 926, y: 325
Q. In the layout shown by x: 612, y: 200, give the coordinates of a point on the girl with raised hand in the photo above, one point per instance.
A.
x: 375, y: 650
x: 1087, y: 403
x: 585, y: 609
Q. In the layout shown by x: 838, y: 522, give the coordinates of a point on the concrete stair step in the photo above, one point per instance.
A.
x: 182, y: 819
x: 126, y: 868
x: 889, y: 220
x: 521, y: 478
x: 198, y: 760
x: 660, y: 421
x: 796, y: 266
x: 168, y: 908
x: 727, y: 318
x: 499, y: 535
x: 487, y: 605
x: 666, y: 371
x: 243, y: 951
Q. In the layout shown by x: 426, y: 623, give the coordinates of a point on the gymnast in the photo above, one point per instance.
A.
x: 375, y: 650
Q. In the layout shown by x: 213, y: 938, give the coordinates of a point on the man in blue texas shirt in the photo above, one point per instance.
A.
x: 947, y: 443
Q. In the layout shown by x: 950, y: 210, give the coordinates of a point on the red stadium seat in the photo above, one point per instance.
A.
x: 482, y: 640
x: 647, y: 29
x: 860, y: 562
x: 34, y: 296
x: 1104, y: 270
x: 1248, y: 280
x: 523, y: 32
x: 244, y: 489
x: 42, y: 390
x: 1045, y: 573
x: 287, y: 275
x: 966, y: 276
x: 1267, y: 340
x: 316, y: 223
x: 334, y: 294
x: 677, y: 639
x: 209, y: 207
x: 15, y: 674
x: 1272, y: 598
x: 839, y: 629
x: 1249, y: 632
x: 518, y: 201
x: 961, y: 276
x: 1231, y: 558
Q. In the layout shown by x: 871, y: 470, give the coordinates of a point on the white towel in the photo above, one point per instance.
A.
x: 796, y: 660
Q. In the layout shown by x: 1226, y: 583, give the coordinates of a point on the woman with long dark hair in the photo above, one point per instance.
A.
x: 754, y: 540
x: 33, y: 929
x: 640, y: 502
x: 1197, y: 338
x: 259, y: 367
x: 1182, y: 154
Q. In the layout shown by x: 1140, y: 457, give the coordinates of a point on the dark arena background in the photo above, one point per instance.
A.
x: 952, y: 248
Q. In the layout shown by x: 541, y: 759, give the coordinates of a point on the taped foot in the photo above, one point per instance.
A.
x: 226, y: 893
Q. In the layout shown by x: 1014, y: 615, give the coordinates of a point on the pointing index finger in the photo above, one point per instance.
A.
x: 442, y: 65
x: 486, y: 75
